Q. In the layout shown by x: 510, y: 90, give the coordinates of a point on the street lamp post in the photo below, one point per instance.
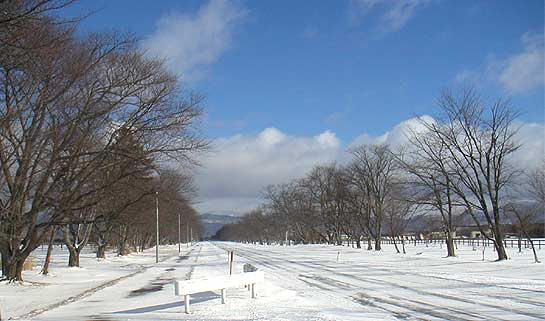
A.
x: 156, y: 227
x: 186, y: 234
x: 179, y: 234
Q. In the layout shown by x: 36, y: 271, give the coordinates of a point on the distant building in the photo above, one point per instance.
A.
x: 478, y: 234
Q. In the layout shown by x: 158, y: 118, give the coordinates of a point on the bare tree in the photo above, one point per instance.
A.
x: 19, y: 13
x: 398, y: 213
x: 374, y: 167
x: 528, y: 211
x: 524, y: 216
x: 535, y: 184
x: 427, y: 164
x: 64, y: 104
x: 326, y: 188
x: 292, y: 207
x: 478, y: 142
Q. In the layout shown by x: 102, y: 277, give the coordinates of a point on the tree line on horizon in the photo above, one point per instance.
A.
x: 93, y: 132
x: 461, y: 162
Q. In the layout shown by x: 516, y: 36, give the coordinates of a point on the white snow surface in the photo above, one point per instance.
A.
x: 303, y: 282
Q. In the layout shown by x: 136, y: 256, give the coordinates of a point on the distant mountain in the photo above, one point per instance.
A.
x: 212, y: 222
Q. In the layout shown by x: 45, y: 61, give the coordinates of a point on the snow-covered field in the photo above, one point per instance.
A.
x: 310, y: 282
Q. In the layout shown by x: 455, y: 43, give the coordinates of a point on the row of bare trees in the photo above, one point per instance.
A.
x: 460, y: 163
x: 84, y: 120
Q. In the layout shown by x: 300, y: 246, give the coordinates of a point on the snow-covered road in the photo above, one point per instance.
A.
x: 323, y: 282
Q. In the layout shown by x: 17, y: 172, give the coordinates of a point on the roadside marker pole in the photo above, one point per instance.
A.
x: 231, y: 256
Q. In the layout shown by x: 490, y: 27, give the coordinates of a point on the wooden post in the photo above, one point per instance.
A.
x: 231, y: 258
x: 223, y: 295
x: 187, y: 300
x: 253, y: 290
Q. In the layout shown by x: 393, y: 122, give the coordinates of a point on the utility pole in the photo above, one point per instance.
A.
x: 179, y: 234
x: 157, y: 227
x: 187, y: 233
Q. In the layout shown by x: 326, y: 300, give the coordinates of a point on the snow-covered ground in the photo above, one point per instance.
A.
x: 310, y: 282
x: 63, y: 283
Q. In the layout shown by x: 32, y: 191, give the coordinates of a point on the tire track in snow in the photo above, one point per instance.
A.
x: 319, y: 266
x: 393, y: 271
x: 397, y: 314
x: 444, y: 296
x: 497, y: 296
x: 281, y: 268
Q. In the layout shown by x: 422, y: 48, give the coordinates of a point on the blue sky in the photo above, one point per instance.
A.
x: 343, y: 68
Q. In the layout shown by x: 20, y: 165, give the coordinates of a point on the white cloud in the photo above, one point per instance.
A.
x: 525, y: 70
x: 242, y: 165
x: 394, y: 13
x: 234, y: 175
x: 397, y: 136
x: 190, y: 43
x: 467, y: 76
x: 400, y: 13
x: 516, y: 74
x: 532, y: 152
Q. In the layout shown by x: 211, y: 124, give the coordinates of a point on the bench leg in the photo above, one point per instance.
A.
x: 187, y: 301
x: 223, y: 296
x: 253, y: 290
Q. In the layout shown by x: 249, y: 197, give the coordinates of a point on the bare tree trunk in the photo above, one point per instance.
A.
x: 122, y: 244
x: 45, y: 269
x: 13, y: 261
x: 498, y: 244
x: 378, y: 236
x: 101, y: 251
x: 520, y: 241
x: 73, y: 257
x: 536, y: 259
x: 450, y: 244
x: 4, y: 258
x: 76, y: 244
x: 14, y: 267
x: 395, y: 244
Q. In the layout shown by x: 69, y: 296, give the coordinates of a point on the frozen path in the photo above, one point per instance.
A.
x: 417, y: 286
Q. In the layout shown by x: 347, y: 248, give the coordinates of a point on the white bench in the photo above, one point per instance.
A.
x: 188, y: 287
